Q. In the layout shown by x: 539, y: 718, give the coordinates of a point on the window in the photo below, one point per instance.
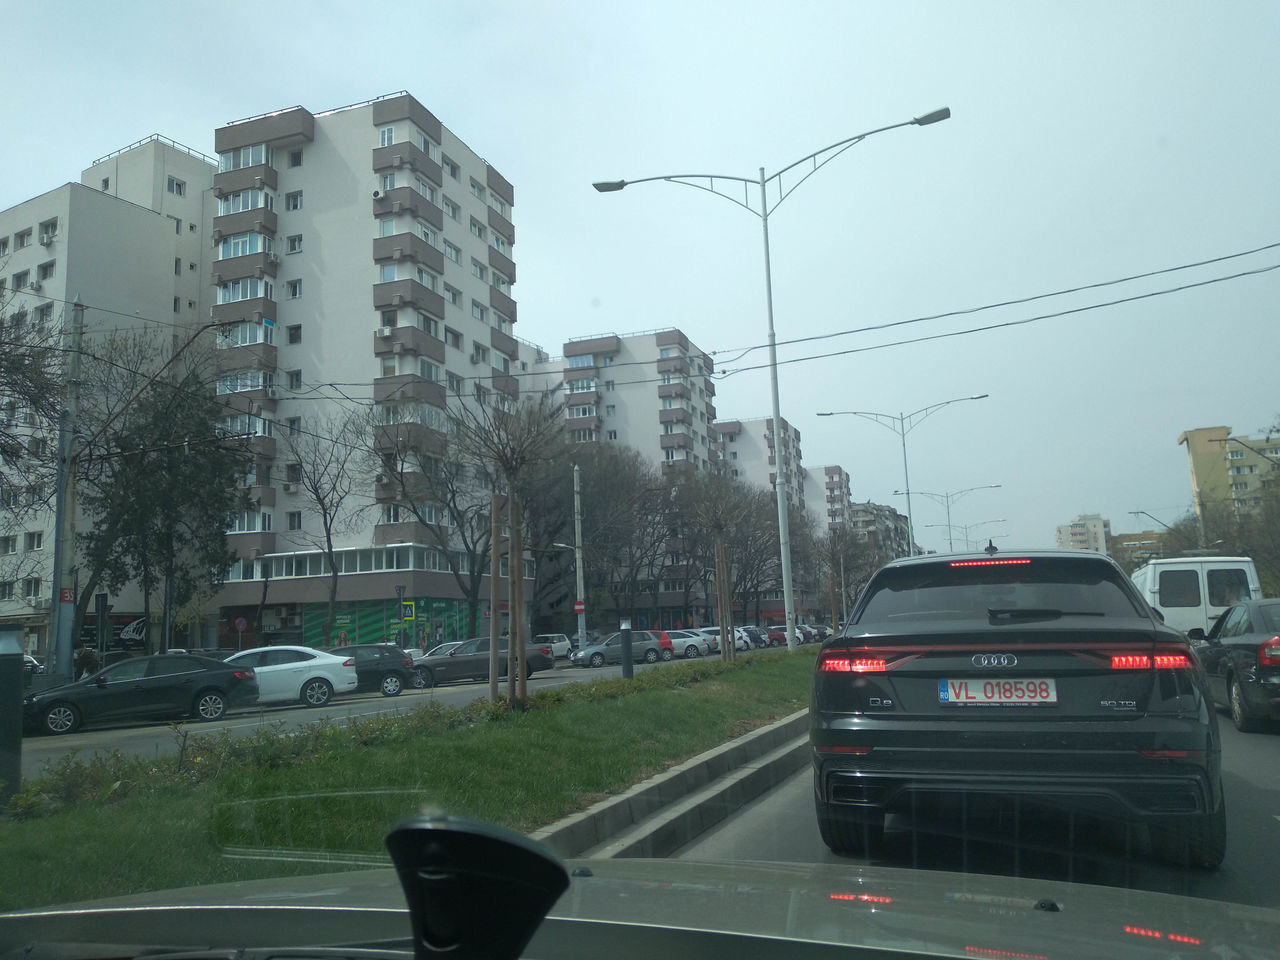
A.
x: 246, y: 288
x: 177, y: 266
x: 426, y: 278
x: 4, y: 246
x: 295, y: 288
x: 477, y: 229
x: 610, y: 410
x: 45, y: 270
x: 48, y: 229
x: 584, y: 436
x: 1227, y: 586
x: 386, y: 136
x: 478, y: 312
x: 498, y: 242
x: 391, y: 513
x: 387, y: 272
x: 237, y: 381
x: 451, y: 209
x: 241, y: 157
x: 21, y: 279
x: 482, y: 393
x: 294, y: 426
x: 177, y: 187
x: 453, y: 338
x: 22, y: 239
x: 608, y: 386
x: 478, y: 270
x: 6, y: 590
x: 498, y: 203
x: 455, y: 385
x: 294, y: 332
x: 31, y: 588
x: 452, y: 295
x: 582, y: 386
x: 477, y: 191
x: 427, y: 233
x: 245, y: 332
x: 430, y: 149
x: 293, y: 201
x: 242, y: 244
x: 588, y: 410
x: 449, y: 166
x: 295, y: 158
x: 479, y: 353
x: 294, y: 519
x: 33, y: 540
x: 293, y: 472
x: 452, y: 252
x: 250, y: 521
x: 429, y: 325
x: 388, y: 182
x: 612, y: 435
x: 44, y: 314
x: 106, y: 183
x: 294, y: 379
x: 242, y: 200
x: 1235, y: 454
x: 424, y: 189
x: 428, y: 370
x: 8, y: 544
x: 501, y: 282
x: 293, y: 244
x: 1179, y: 588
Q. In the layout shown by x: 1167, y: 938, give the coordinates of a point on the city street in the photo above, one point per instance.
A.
x: 158, y: 739
x: 780, y: 826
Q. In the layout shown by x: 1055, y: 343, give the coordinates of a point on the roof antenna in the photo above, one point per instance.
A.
x: 990, y: 549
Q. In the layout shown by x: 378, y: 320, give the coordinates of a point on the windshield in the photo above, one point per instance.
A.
x: 405, y: 329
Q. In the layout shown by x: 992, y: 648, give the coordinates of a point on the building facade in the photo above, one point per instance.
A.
x: 1088, y: 531
x: 1229, y: 473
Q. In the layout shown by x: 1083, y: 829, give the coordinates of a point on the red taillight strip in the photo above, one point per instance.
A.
x: 987, y: 563
x: 851, y: 665
x: 1141, y: 661
x: 859, y: 897
x: 1159, y: 935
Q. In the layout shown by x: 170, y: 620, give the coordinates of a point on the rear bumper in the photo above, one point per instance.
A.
x: 1091, y: 768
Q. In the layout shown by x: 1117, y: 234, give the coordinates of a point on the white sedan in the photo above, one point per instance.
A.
x: 286, y: 674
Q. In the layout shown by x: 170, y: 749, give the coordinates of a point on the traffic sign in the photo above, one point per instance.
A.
x: 579, y: 607
x: 240, y: 624
x: 406, y: 609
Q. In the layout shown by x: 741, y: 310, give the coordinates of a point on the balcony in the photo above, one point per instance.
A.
x: 506, y: 384
x: 503, y: 343
x: 250, y: 265
x: 258, y: 177
x: 257, y: 220
x: 404, y: 486
x: 503, y: 264
x: 254, y: 544
x: 406, y: 107
x: 502, y: 303
x: 407, y: 246
x: 406, y: 531
x: 409, y: 388
x: 250, y: 356
x: 407, y: 293
x: 408, y: 339
x: 676, y: 441
x: 678, y: 466
x: 397, y: 156
x: 407, y: 200
x: 295, y: 124
x: 261, y: 495
x: 592, y: 345
x: 673, y: 390
x: 255, y: 309
x: 502, y: 225
x: 673, y: 365
x: 403, y: 437
x: 582, y: 396
x: 671, y: 338
x: 677, y: 415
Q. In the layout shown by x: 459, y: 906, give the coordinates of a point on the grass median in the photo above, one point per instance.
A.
x: 319, y: 799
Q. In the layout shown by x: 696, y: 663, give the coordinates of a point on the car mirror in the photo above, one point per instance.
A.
x: 1195, y: 633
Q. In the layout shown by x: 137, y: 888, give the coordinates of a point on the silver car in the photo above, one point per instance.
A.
x: 644, y: 648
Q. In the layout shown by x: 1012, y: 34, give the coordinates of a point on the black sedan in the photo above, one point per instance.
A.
x: 1241, y: 656
x: 470, y: 661
x: 165, y: 685
x: 1041, y: 677
x: 381, y: 667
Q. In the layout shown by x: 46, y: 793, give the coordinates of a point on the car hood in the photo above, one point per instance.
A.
x: 640, y: 908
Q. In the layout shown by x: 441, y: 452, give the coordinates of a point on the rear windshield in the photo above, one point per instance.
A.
x: 1270, y: 617
x: 1016, y: 591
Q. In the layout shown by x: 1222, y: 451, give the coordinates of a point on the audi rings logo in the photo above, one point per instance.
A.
x: 995, y: 660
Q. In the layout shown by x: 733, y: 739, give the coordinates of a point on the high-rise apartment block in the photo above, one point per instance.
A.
x: 747, y: 452
x: 1089, y: 531
x: 1229, y: 473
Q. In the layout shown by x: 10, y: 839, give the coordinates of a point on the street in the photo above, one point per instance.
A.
x: 158, y: 739
x: 780, y: 826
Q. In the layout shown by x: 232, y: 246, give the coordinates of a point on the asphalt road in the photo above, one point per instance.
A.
x: 780, y: 826
x: 160, y: 739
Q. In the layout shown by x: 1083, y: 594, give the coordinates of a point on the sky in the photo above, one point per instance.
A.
x: 1089, y: 142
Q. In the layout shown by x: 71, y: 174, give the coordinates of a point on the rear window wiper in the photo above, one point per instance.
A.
x: 1038, y: 613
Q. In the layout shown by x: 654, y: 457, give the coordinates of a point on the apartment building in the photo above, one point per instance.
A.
x: 829, y: 494
x: 746, y: 450
x: 1229, y: 472
x: 363, y: 259
x: 882, y: 528
x: 1089, y: 531
x: 652, y: 391
x: 126, y: 243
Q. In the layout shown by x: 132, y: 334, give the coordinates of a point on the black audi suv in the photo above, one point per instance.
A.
x: 1040, y: 676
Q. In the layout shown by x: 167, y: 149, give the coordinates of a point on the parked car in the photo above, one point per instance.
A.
x: 687, y: 643
x: 644, y: 647
x: 1040, y: 676
x: 558, y: 642
x: 286, y: 674
x: 420, y: 659
x: 712, y: 635
x: 1192, y: 592
x: 164, y: 685
x: 470, y: 661
x: 383, y: 667
x: 758, y: 636
x: 1241, y: 657
x: 778, y: 636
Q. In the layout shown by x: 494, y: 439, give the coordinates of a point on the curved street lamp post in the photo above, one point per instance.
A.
x: 947, y: 499
x: 902, y: 424
x: 708, y: 182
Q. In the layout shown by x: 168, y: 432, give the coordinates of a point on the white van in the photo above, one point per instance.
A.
x: 1191, y: 592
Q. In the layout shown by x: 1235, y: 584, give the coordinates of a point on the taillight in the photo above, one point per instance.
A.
x: 1140, y: 661
x: 407, y: 663
x: 1269, y: 653
x: 349, y: 662
x: 545, y: 651
x: 245, y: 674
x: 845, y: 663
x: 988, y: 563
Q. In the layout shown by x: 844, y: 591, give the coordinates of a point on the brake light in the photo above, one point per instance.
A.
x: 545, y: 651
x: 988, y: 563
x: 846, y: 664
x: 407, y: 663
x: 349, y: 662
x: 859, y: 897
x: 246, y: 674
x: 1140, y: 661
x: 1269, y: 653
x: 1161, y: 935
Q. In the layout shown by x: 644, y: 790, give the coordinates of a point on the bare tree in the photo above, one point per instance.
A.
x: 327, y: 457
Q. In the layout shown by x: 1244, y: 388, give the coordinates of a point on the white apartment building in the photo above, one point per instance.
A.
x: 126, y: 242
x: 882, y: 528
x: 652, y: 391
x: 747, y: 454
x: 363, y: 257
x: 828, y: 494
x: 1089, y: 531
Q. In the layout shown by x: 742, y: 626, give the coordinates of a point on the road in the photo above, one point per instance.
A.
x: 159, y: 739
x: 780, y: 826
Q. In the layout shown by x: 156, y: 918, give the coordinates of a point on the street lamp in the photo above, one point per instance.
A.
x: 902, y: 424
x: 946, y: 499
x: 707, y: 182
x: 966, y: 527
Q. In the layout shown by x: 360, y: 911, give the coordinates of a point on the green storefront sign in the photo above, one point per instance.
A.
x: 378, y: 621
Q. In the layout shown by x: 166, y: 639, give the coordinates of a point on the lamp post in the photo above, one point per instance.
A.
x: 946, y: 499
x: 966, y: 527
x: 708, y: 182
x: 902, y: 424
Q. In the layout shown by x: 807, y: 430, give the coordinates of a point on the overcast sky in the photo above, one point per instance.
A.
x: 1090, y: 141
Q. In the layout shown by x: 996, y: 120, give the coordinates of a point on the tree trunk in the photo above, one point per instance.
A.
x: 513, y: 662
x: 333, y: 601
x: 495, y: 535
x: 517, y: 603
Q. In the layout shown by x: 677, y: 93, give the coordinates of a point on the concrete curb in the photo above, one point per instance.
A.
x: 660, y: 814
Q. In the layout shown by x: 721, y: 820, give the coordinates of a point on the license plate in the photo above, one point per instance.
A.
x: 997, y: 692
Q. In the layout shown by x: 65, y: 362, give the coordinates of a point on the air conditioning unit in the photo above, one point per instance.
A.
x: 40, y: 603
x: 377, y: 194
x: 385, y: 331
x: 273, y: 258
x: 290, y: 488
x: 34, y: 285
x: 273, y: 393
x: 46, y: 239
x: 380, y: 478
x: 475, y: 360
x: 294, y: 621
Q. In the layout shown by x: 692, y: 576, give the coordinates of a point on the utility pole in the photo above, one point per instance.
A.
x: 62, y: 606
x: 577, y: 556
